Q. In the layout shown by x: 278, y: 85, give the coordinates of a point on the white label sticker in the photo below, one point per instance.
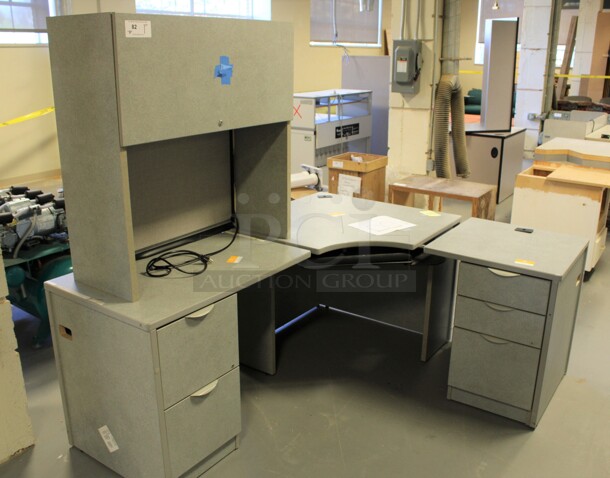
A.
x: 349, y: 185
x: 138, y: 29
x: 338, y: 164
x: 108, y: 438
x: 401, y: 66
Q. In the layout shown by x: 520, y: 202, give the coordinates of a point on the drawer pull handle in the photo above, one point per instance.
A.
x: 498, y: 308
x: 200, y: 314
x: 493, y: 340
x: 501, y: 273
x: 205, y: 391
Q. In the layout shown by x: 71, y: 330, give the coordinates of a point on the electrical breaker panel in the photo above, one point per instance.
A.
x: 406, y: 67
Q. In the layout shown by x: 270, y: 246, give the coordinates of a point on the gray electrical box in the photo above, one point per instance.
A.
x: 406, y: 67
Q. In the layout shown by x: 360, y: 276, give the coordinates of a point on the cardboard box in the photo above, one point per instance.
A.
x: 361, y: 179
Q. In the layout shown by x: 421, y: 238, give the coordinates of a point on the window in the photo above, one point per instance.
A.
x: 25, y: 21
x: 346, y: 23
x: 252, y: 9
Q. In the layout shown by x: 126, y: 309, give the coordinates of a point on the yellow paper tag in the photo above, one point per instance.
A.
x: 430, y: 213
x: 234, y: 259
x: 525, y: 262
x: 337, y: 214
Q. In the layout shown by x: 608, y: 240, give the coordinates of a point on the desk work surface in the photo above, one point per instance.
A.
x: 165, y: 299
x: 494, y: 244
x: 321, y: 223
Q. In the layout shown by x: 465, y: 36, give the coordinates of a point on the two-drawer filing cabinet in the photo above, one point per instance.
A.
x: 156, y: 403
x: 515, y: 305
x: 152, y: 388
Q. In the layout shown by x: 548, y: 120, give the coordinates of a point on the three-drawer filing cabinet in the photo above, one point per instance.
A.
x: 515, y: 305
x: 157, y: 403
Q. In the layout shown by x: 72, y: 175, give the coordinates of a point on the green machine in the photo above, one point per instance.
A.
x: 35, y: 248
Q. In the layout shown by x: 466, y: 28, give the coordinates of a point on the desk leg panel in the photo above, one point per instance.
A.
x: 439, y: 306
x: 256, y: 319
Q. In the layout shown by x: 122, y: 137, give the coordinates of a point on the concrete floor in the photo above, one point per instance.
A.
x: 351, y: 399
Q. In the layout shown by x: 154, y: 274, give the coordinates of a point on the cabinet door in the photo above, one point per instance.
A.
x: 197, y: 349
x: 168, y: 83
x: 493, y: 368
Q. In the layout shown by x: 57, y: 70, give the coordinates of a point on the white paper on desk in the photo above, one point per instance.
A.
x: 349, y: 185
x: 381, y: 225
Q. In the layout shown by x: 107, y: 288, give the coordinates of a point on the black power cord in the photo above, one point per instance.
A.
x: 191, y: 263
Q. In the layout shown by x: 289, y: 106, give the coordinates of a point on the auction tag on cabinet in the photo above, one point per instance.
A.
x: 525, y: 262
x: 138, y: 29
x: 430, y: 213
x: 234, y: 259
x: 108, y: 438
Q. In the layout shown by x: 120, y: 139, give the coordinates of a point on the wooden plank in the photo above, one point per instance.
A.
x: 298, y: 193
x: 528, y: 179
x: 562, y: 83
x: 581, y: 175
x: 577, y: 148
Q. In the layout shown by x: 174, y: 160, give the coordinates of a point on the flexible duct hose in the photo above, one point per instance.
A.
x: 449, y: 98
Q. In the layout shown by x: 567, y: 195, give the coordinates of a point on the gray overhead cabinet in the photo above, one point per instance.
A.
x: 168, y: 127
x: 155, y: 116
x: 515, y: 307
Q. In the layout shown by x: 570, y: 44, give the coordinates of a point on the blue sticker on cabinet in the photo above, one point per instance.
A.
x: 224, y: 70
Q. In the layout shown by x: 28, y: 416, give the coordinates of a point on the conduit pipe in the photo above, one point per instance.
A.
x: 449, y: 99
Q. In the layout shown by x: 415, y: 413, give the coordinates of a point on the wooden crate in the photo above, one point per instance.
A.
x: 371, y: 172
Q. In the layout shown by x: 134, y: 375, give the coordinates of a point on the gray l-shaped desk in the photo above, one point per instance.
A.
x: 127, y: 370
x: 149, y: 368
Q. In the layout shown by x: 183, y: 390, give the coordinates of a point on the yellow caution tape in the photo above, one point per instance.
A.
x: 599, y: 77
x: 29, y: 116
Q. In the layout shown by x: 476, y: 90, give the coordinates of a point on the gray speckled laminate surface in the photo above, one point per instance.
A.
x: 165, y: 299
x: 321, y: 223
x: 494, y: 244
